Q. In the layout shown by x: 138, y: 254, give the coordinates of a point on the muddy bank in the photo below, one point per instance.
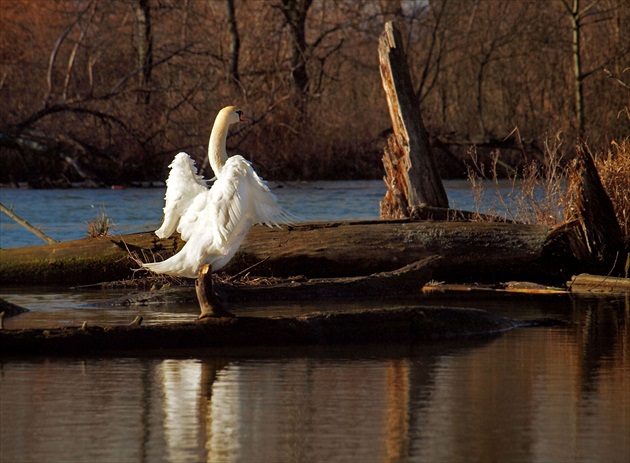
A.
x: 422, y: 324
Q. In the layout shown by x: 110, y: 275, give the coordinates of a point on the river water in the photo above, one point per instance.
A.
x: 537, y: 394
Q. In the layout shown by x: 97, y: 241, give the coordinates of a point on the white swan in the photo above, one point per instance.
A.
x: 214, y: 221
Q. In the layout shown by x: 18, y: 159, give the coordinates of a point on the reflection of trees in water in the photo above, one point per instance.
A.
x: 602, y: 334
x: 289, y: 405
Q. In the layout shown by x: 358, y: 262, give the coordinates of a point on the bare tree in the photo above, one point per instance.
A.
x: 580, y: 17
x: 234, y: 46
x: 144, y: 44
x: 295, y: 13
x: 576, y: 17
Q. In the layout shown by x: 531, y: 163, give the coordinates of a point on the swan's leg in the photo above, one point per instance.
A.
x: 208, y: 301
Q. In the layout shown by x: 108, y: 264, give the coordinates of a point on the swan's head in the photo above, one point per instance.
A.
x: 232, y: 115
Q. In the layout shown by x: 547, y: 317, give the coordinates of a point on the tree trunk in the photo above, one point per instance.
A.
x: 411, y: 172
x: 577, y: 68
x: 234, y: 46
x: 600, y: 246
x: 470, y: 251
x: 144, y: 42
x: 295, y: 12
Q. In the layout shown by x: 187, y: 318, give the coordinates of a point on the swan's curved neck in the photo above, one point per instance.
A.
x: 217, y: 153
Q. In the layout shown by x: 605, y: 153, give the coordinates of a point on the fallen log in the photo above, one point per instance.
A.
x: 213, y: 292
x: 598, y: 284
x: 422, y: 324
x: 469, y: 251
x: 83, y: 261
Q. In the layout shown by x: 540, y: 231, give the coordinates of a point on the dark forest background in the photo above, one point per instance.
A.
x: 107, y: 91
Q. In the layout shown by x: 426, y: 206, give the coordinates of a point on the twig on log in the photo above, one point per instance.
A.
x: 26, y: 225
x: 245, y: 270
x: 209, y: 304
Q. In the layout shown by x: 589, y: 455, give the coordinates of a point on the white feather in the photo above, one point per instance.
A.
x: 183, y: 186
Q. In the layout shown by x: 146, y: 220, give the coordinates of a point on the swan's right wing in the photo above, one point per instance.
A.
x: 182, y: 187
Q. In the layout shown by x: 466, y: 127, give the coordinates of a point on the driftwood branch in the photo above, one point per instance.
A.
x: 404, y: 281
x: 599, y: 284
x: 26, y: 225
x: 408, y: 280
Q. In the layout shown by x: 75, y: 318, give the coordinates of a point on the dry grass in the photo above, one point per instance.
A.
x: 99, y: 226
x: 614, y: 172
x: 538, y: 190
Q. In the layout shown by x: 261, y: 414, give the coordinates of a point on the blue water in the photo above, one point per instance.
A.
x: 64, y: 214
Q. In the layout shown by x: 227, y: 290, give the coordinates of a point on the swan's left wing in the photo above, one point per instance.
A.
x: 182, y: 187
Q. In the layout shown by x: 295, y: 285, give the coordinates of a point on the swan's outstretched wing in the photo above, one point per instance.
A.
x: 241, y: 199
x: 182, y: 187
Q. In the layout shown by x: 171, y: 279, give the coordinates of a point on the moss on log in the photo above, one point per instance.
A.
x: 84, y: 261
x: 423, y: 324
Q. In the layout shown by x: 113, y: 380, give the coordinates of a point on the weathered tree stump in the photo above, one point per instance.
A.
x: 597, y: 240
x: 411, y: 173
x: 590, y: 240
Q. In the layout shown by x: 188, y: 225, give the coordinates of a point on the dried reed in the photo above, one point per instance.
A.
x: 99, y: 226
x: 538, y: 191
x: 614, y: 172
